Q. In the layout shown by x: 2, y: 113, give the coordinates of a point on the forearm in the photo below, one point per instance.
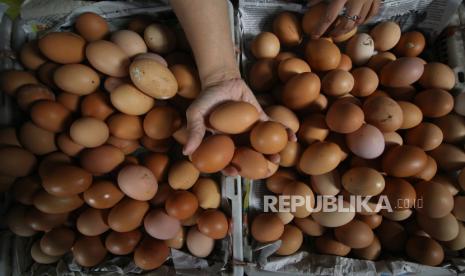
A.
x: 206, y: 24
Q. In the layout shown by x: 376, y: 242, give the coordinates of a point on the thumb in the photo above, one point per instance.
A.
x: 195, y: 132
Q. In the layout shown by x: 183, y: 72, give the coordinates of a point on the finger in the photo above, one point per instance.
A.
x: 332, y: 11
x: 374, y: 9
x: 196, y: 131
x: 312, y: 3
x: 230, y: 171
x: 346, y: 25
x: 275, y: 158
x: 291, y: 135
x: 364, y: 13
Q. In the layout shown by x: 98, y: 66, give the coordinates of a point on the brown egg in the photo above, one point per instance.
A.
x: 449, y: 157
x: 290, y: 155
x: 320, y: 158
x: 207, y: 192
x: 458, y: 211
x: 213, y: 154
x: 385, y: 35
x: 401, y: 72
x: 111, y: 83
x: 268, y: 137
x: 244, y: 114
x: 127, y: 214
x: 178, y: 241
x: 139, y: 23
x: 137, y: 182
x: 313, y: 128
x: 392, y: 235
x: 50, y: 115
x: 337, y: 218
x: 160, y: 225
x: 437, y: 75
x: 181, y: 204
x: 249, y: 163
x: 161, y: 122
x: 17, y: 223
x: 77, y: 79
x: 153, y: 78
x: 57, y: 241
x: 107, y: 58
x: 328, y: 184
x: 429, y: 171
x: 291, y: 240
x: 437, y: 201
x: 373, y: 221
x: 28, y: 94
x: 400, y: 193
x: 156, y: 145
x: 91, y: 26
x: 68, y: 146
x: 158, y: 163
x: 89, y: 132
x: 300, y: 189
x: 8, y: 137
x: 48, y: 163
x: 355, y: 234
x: 11, y: 80
x: 337, y: 82
x: 130, y: 42
x: 97, y: 105
x: 283, y: 115
x: 434, y: 102
x: 344, y: 117
x: 326, y: 244
x: 37, y: 140
x: 322, y: 55
x: 182, y: 175
x: 452, y: 127
x: 384, y: 113
x: 404, y: 161
x: 267, y: 227
x: 89, y: 251
x: 286, y: 26
x: 426, y: 136
x: 126, y: 146
x: 45, y: 73
x: 265, y: 45
x: 188, y: 80
x: 40, y: 257
x: 51, y: 204
x: 449, y: 182
x: 283, y: 56
x: 62, y: 47
x: 291, y: 67
x: 363, y: 181
x: 24, y: 189
x: 102, y: 194
x: 213, y: 223
x: 41, y: 221
x: 365, y: 82
x: 345, y: 63
x: 276, y: 182
x: 159, y: 38
x: 370, y: 252
x: 263, y: 74
x: 102, y: 159
x: 125, y: 126
x: 445, y: 228
x: 69, y: 101
x: 150, y: 253
x: 411, y: 44
x: 15, y: 161
x: 30, y: 55
x: 122, y: 243
x: 309, y: 227
x: 459, y: 242
x: 66, y: 180
x: 92, y: 222
x: 411, y: 114
x: 130, y: 100
x: 191, y: 221
x: 425, y: 250
x: 406, y: 93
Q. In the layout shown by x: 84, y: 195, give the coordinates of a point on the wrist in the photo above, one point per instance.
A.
x: 219, y: 76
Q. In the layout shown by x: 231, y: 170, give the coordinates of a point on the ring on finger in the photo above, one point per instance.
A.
x: 351, y: 17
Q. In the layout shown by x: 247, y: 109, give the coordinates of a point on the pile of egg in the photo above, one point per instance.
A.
x: 81, y: 181
x: 372, y: 118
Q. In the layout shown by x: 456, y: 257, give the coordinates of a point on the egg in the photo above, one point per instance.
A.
x: 57, y: 242
x: 459, y: 104
x: 392, y: 236
x: 373, y: 221
x: 127, y: 214
x: 89, y: 251
x: 309, y: 227
x: 383, y: 113
x: 51, y: 204
x: 62, y: 47
x: 157, y: 163
x: 268, y: 137
x: 159, y: 38
x: 398, y: 215
x: 313, y: 128
x: 429, y: 171
x: 249, y: 163
x: 425, y: 250
x: 286, y: 26
x: 328, y: 184
x: 411, y: 44
x: 367, y: 142
x: 322, y: 55
x: 66, y: 180
x: 379, y: 60
x: 404, y: 161
x: 49, y: 162
x: 401, y: 72
x: 437, y: 75
x: 328, y: 245
x: 290, y: 155
x: 8, y: 137
x: 312, y: 17
x: 28, y: 94
x: 188, y: 79
x: 108, y: 58
x: 300, y: 189
x: 360, y: 48
x: 355, y: 234
x: 337, y: 218
x: 400, y: 193
x: 12, y: 80
x: 97, y: 105
x: 344, y: 37
x: 344, y: 117
x: 445, y: 228
x: 213, y: 154
x: 150, y: 253
x: 137, y: 182
x: 15, y: 161
x: 345, y: 63
x: 37, y: 140
x: 448, y: 157
x: 411, y: 114
x: 102, y: 194
x: 244, y: 114
x: 69, y: 101
x: 89, y: 132
x: 192, y: 220
x: 365, y: 82
x: 213, y: 223
x: 40, y: 221
x: 207, y: 192
x: 102, y: 159
x: 278, y: 181
x: 153, y: 78
x: 370, y: 252
x: 459, y: 242
x: 449, y: 182
x: 122, y: 243
x: 182, y: 175
x: 181, y: 135
x: 337, y: 83
x: 91, y: 26
x: 291, y: 240
x: 426, y: 136
x: 283, y: 115
x: 452, y: 127
x: 282, y: 56
x: 45, y: 73
x: 181, y: 204
x: 265, y: 45
x: 434, y: 102
x: 130, y: 42
x: 30, y: 55
x: 267, y: 227
x: 156, y: 145
x: 160, y: 225
x: 363, y: 181
x: 125, y: 126
x: 68, y: 146
x: 50, y: 115
x: 129, y: 100
x: 263, y: 74
x: 111, y: 83
x: 76, y: 78
x: 437, y: 200
x: 162, y: 61
x: 40, y: 257
x: 16, y: 222
x: 320, y: 158
x: 161, y: 122
x: 24, y: 189
x: 198, y: 244
x: 92, y: 222
x: 386, y: 35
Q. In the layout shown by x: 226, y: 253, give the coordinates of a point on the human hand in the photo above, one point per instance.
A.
x: 357, y: 12
x: 198, y: 112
